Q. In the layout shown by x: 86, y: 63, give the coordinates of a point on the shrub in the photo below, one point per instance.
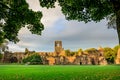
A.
x: 109, y: 55
x: 69, y: 53
x: 33, y: 59
x: 116, y: 49
x: 91, y: 50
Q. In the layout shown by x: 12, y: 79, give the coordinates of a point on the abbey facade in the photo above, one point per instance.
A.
x: 59, y: 57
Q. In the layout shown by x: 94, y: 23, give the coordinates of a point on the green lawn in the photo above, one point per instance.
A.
x: 71, y: 72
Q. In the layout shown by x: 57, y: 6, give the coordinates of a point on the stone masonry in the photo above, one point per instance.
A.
x: 59, y: 57
x: 117, y: 61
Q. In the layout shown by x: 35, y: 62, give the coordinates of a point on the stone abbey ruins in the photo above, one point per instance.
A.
x: 59, y: 57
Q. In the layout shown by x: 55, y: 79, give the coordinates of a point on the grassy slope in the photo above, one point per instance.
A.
x: 37, y: 72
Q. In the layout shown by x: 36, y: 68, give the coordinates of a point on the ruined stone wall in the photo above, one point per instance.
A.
x: 94, y: 58
x: 59, y: 57
x: 53, y: 58
x: 117, y: 61
x: 9, y: 57
x: 6, y: 57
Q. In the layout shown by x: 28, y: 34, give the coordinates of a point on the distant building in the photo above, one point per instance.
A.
x: 59, y: 57
x: 58, y: 47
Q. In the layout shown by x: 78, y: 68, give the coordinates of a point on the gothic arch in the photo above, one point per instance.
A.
x: 13, y: 60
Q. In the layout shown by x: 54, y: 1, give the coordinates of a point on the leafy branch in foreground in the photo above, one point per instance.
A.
x: 15, y: 14
x: 88, y: 10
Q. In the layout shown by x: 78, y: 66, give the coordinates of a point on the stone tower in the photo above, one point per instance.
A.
x: 58, y: 46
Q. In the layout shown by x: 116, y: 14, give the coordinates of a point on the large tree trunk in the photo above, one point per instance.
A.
x: 118, y: 24
x: 116, y: 8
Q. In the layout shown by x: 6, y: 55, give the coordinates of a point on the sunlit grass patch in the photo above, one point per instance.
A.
x: 67, y: 72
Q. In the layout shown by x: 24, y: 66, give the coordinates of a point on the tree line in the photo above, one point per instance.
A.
x: 110, y: 54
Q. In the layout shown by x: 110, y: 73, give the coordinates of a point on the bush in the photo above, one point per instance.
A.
x: 116, y: 49
x: 91, y: 50
x: 33, y: 59
x: 69, y: 53
x: 109, y: 55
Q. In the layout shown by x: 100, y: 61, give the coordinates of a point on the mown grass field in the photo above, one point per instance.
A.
x: 67, y: 72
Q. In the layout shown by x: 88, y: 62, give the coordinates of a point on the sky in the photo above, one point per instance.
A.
x: 73, y: 34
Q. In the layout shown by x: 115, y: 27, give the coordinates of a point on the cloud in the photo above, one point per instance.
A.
x: 90, y: 34
x: 15, y: 48
x: 74, y: 34
x: 78, y: 34
x: 49, y: 15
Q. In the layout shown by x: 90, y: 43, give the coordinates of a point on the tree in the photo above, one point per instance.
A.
x: 109, y: 55
x: 67, y: 52
x: 79, y: 52
x: 70, y: 53
x: 87, y: 10
x: 15, y: 14
x: 3, y: 46
x: 33, y: 59
x: 1, y: 36
x: 116, y: 49
x: 112, y: 22
x: 91, y: 50
x: 36, y: 59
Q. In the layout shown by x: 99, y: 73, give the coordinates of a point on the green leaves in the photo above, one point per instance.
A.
x: 16, y: 16
x: 17, y: 13
x: 33, y: 59
x: 82, y: 10
x: 116, y: 49
x: 109, y: 54
x: 1, y: 37
x: 47, y: 3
